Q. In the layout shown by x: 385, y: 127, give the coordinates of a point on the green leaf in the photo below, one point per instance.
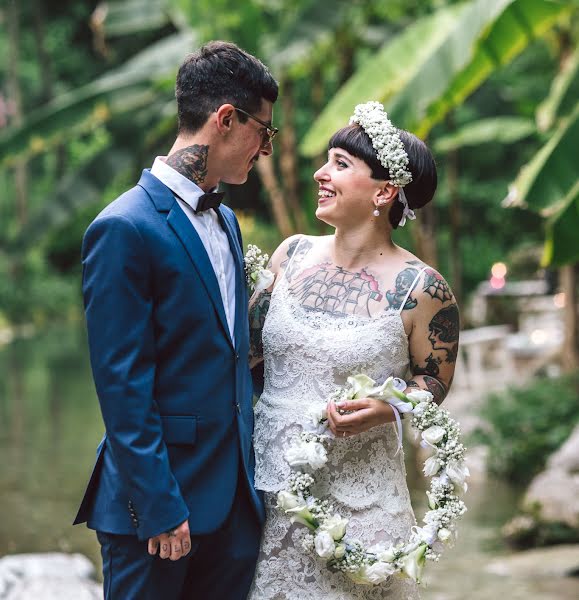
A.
x: 428, y: 70
x: 132, y: 86
x: 563, y: 95
x: 500, y: 130
x: 561, y: 247
x: 381, y: 76
x: 544, y: 183
x: 126, y: 17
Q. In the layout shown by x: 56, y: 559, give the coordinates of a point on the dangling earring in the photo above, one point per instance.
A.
x: 376, y: 212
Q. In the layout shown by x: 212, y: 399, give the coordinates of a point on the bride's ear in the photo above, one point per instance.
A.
x: 385, y: 195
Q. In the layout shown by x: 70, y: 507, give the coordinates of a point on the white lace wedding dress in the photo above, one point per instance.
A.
x: 307, y: 355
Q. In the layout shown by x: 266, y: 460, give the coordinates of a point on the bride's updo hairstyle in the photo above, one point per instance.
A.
x: 420, y: 191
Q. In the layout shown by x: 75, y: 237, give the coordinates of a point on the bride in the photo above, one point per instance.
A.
x: 351, y: 302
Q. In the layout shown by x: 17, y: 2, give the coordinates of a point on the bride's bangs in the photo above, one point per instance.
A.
x: 355, y: 141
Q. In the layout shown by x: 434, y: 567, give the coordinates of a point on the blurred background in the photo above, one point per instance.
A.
x: 87, y: 102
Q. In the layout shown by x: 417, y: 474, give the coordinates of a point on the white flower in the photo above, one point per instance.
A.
x: 340, y: 551
x: 307, y: 453
x: 457, y: 471
x: 335, y: 526
x: 263, y: 279
x: 403, y: 407
x: 433, y: 434
x: 383, y: 553
x: 418, y: 396
x: 420, y: 408
x: 361, y: 385
x: 444, y: 535
x: 301, y: 514
x: 287, y: 500
x: 324, y: 544
x: 431, y: 466
x: 413, y: 562
x: 432, y: 503
x: 379, y: 572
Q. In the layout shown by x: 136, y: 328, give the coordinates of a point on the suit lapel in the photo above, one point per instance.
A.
x: 240, y: 287
x: 182, y: 227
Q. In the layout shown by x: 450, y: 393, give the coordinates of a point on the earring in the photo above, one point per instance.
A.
x: 376, y: 212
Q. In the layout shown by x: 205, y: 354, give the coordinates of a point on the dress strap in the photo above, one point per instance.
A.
x: 411, y: 288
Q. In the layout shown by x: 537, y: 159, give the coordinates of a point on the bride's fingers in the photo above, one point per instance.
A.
x: 349, y: 405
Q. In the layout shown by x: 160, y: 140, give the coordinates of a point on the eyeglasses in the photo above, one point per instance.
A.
x: 267, y: 134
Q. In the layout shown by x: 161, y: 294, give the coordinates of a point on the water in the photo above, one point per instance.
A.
x: 50, y: 425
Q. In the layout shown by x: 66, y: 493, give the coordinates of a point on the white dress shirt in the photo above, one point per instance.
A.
x: 207, y: 225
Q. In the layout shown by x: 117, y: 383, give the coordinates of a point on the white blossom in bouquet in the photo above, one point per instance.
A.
x: 312, y: 454
x: 418, y: 396
x: 413, y: 563
x: 286, y: 500
x: 324, y: 544
x: 258, y: 277
x: 335, y: 526
x: 433, y: 435
x: 379, y: 572
x: 431, y: 466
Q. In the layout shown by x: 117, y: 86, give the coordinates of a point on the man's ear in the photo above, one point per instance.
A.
x: 224, y: 118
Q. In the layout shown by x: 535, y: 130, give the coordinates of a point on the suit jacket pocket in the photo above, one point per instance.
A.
x: 179, y: 430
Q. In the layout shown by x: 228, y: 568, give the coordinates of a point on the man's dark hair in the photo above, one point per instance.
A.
x: 420, y: 191
x: 220, y: 73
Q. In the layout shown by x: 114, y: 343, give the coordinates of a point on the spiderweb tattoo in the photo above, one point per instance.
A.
x: 436, y: 287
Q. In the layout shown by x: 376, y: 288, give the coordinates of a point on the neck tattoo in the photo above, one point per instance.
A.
x: 191, y: 162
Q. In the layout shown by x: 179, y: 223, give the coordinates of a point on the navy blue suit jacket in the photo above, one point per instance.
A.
x: 175, y: 391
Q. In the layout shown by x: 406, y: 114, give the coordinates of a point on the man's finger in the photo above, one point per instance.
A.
x: 176, y: 548
x: 165, y: 551
x: 153, y: 546
x: 186, y: 545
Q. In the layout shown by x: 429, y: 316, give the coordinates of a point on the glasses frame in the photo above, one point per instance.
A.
x: 270, y: 131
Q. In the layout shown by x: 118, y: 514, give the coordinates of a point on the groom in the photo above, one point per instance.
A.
x: 171, y: 496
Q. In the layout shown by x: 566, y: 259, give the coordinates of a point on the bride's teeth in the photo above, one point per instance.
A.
x: 326, y: 194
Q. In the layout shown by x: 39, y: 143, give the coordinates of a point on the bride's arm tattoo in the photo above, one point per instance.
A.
x: 191, y: 162
x: 304, y: 247
x: 396, y: 296
x: 257, y: 313
x: 433, y: 385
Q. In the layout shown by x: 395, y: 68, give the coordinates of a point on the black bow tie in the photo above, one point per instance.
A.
x: 210, y: 200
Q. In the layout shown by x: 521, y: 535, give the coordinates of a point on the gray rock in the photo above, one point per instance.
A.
x: 554, y: 561
x: 556, y: 489
x: 49, y: 576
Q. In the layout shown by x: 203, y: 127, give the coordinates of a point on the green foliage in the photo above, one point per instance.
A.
x: 529, y: 530
x: 524, y: 426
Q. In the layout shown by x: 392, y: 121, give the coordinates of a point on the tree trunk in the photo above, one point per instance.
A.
x: 14, y: 94
x: 455, y: 225
x: 265, y: 169
x: 288, y: 160
x: 571, y: 322
x: 44, y: 60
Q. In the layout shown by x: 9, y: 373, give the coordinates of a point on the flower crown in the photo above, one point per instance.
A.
x: 390, y: 151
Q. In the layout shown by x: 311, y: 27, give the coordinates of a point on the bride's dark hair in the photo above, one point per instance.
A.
x: 420, y: 191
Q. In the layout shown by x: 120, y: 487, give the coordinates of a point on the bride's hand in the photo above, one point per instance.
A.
x: 362, y: 415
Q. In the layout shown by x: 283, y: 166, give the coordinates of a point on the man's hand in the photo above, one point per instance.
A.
x: 363, y: 415
x: 173, y: 544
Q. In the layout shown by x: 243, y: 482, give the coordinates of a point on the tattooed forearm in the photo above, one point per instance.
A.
x: 436, y: 287
x: 431, y: 366
x: 443, y: 331
x: 257, y: 313
x: 191, y: 162
x: 431, y: 384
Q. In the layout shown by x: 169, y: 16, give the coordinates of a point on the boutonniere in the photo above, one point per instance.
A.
x: 258, y: 277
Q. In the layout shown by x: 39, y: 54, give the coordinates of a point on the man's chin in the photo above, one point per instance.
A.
x: 235, y: 179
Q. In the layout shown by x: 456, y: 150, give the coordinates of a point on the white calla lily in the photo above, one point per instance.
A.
x: 413, y: 563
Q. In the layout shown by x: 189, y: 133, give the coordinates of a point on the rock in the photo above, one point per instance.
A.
x: 556, y: 490
x: 554, y: 561
x: 49, y: 576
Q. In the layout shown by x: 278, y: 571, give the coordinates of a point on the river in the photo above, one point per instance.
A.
x: 50, y: 425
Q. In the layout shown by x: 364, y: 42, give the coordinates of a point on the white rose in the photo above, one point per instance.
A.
x: 418, y: 396
x: 324, y: 544
x: 307, y: 453
x: 420, y: 408
x: 263, y: 280
x: 383, y: 553
x: 444, y: 535
x: 379, y: 572
x: 413, y: 563
x: 431, y: 466
x: 457, y: 472
x: 433, y: 434
x: 335, y: 526
x: 340, y: 551
x: 287, y: 500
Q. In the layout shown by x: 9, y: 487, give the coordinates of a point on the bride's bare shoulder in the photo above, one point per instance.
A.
x: 287, y: 249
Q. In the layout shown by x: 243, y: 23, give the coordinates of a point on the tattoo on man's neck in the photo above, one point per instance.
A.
x: 191, y: 162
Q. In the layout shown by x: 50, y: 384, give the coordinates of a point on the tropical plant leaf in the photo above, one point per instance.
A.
x: 544, y: 183
x: 561, y: 247
x: 500, y: 130
x: 462, y: 52
x: 126, y: 17
x: 132, y: 86
x: 563, y: 95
